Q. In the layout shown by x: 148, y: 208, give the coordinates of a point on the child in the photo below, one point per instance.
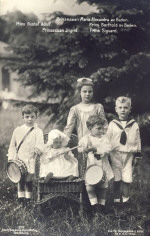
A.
x: 124, y: 136
x: 80, y: 113
x: 97, y: 147
x: 30, y: 147
x: 61, y: 166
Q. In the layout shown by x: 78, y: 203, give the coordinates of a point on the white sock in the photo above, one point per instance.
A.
x: 28, y: 194
x: 21, y: 194
x: 125, y: 199
x: 93, y: 201
x: 102, y: 202
x: 117, y: 200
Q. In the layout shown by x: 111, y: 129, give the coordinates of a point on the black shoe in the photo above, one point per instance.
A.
x: 21, y: 201
x: 126, y: 205
x: 95, y: 208
x: 27, y: 203
x: 92, y: 210
x: 102, y: 209
x: 117, y: 205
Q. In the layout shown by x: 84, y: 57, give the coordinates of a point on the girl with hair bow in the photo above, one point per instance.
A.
x: 80, y: 113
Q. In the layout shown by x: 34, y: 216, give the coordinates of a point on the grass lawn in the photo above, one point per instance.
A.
x: 62, y: 216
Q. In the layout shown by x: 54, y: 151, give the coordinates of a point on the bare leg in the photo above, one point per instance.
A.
x: 91, y: 194
x: 101, y: 195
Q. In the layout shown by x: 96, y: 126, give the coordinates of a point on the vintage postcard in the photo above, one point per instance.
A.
x: 63, y: 65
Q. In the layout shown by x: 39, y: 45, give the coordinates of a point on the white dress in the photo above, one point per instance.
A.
x: 78, y: 116
x: 59, y: 166
x: 26, y: 151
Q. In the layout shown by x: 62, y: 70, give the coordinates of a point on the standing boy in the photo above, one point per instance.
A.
x: 124, y: 136
x: 30, y: 139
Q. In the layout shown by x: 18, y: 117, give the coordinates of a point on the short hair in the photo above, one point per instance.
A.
x: 123, y: 100
x: 28, y: 109
x: 94, y: 120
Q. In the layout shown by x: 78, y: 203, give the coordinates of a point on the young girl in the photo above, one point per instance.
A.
x: 80, y: 113
x: 31, y: 146
x: 97, y: 146
x: 57, y: 160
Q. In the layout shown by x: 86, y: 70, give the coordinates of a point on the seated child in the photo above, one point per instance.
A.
x: 97, y: 147
x: 61, y: 166
x: 124, y: 136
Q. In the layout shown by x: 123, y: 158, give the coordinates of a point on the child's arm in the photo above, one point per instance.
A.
x: 137, y: 155
x: 109, y: 131
x: 12, y: 147
x: 83, y: 143
x: 71, y: 122
x: 69, y: 154
x: 46, y: 156
x: 107, y: 146
x: 102, y: 116
x: 39, y: 145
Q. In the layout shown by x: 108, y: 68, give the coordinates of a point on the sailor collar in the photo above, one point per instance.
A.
x: 123, y: 137
x: 128, y: 124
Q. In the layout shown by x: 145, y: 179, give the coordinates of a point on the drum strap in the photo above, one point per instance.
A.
x: 24, y: 138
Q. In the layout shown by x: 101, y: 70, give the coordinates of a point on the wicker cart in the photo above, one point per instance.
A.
x: 58, y: 187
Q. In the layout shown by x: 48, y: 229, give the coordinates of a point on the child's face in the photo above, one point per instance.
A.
x: 86, y: 93
x: 97, y: 130
x: 123, y: 110
x: 29, y: 119
x: 57, y: 143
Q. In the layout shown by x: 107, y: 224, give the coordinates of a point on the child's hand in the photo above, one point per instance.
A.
x: 136, y: 161
x: 67, y: 156
x: 90, y: 149
x: 105, y: 154
x: 37, y: 151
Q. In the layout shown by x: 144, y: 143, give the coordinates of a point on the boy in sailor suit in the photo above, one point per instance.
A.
x: 124, y: 136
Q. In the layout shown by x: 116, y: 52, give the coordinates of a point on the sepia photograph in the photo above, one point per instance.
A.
x: 75, y: 117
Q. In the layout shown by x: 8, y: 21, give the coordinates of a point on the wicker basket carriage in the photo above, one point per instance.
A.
x: 60, y: 187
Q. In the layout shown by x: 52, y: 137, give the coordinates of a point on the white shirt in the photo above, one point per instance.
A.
x: 26, y: 151
x: 133, y: 143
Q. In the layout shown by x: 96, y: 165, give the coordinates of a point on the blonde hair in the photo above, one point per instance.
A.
x: 123, y: 100
x: 57, y: 134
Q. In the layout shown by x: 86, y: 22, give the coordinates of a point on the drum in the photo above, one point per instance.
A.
x: 16, y: 170
x: 94, y: 175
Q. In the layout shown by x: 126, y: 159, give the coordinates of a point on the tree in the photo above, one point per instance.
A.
x: 117, y: 63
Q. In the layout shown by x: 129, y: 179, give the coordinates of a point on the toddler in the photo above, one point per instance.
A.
x: 57, y: 160
x: 97, y: 146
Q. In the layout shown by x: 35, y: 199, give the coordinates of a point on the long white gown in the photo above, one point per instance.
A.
x: 59, y: 166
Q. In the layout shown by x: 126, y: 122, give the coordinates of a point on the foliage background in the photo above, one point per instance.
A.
x: 117, y: 63
x: 51, y: 63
